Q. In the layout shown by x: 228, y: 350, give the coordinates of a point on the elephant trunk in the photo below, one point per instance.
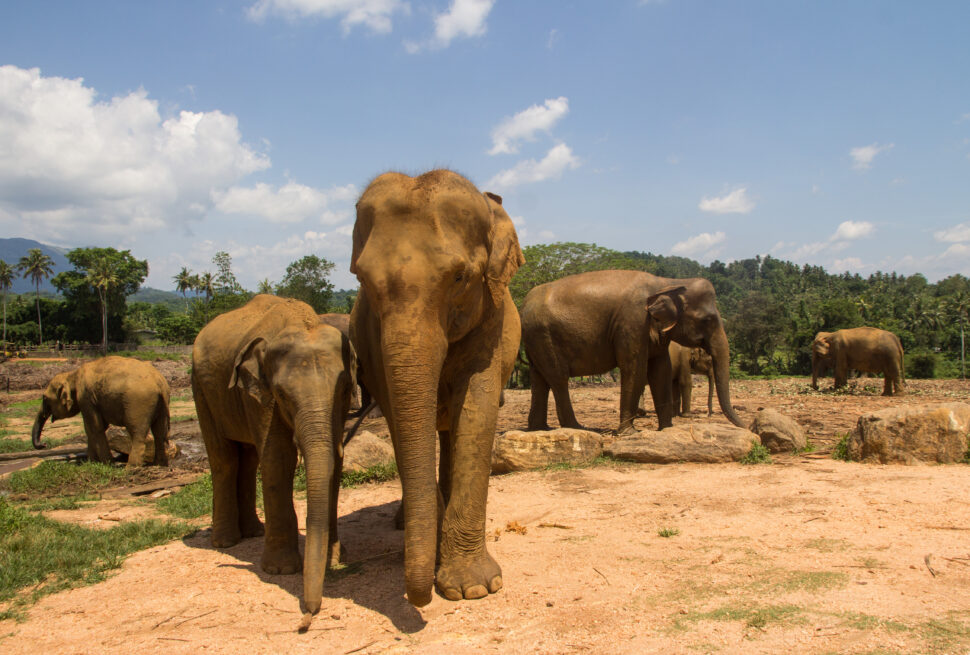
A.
x: 413, y: 369
x: 721, y: 356
x: 38, y: 428
x: 315, y: 439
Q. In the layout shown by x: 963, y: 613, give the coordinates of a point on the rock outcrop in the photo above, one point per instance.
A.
x: 912, y: 435
x: 778, y: 433
x: 696, y: 442
x: 524, y: 451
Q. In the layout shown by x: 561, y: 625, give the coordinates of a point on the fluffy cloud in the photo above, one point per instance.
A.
x: 863, y: 155
x: 844, y: 234
x: 524, y: 125
x: 735, y: 202
x: 955, y: 234
x: 76, y: 168
x: 464, y: 18
x: 850, y: 230
x: 848, y: 264
x: 374, y: 14
x: 290, y: 203
x: 552, y: 166
x: 702, y: 243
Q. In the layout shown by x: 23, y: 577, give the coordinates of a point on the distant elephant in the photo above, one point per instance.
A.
x: 111, y: 391
x: 437, y: 335
x: 342, y: 323
x: 588, y: 323
x: 684, y: 362
x: 863, y: 349
x: 269, y: 379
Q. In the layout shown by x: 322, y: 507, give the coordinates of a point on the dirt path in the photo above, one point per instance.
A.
x: 807, y: 555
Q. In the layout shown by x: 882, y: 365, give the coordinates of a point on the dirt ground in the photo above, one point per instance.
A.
x: 806, y: 555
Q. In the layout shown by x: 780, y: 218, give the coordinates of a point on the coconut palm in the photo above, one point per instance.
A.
x: 38, y: 267
x: 204, y: 284
x: 183, y: 282
x: 101, y: 275
x: 264, y: 286
x: 6, y: 281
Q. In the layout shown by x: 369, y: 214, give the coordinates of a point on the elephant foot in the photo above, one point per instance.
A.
x: 281, y: 560
x: 626, y: 431
x: 468, y: 577
x: 538, y: 427
x: 252, y: 527
x: 225, y: 538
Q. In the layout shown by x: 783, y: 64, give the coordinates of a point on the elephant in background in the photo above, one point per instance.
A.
x: 588, y: 323
x: 269, y: 379
x: 863, y: 349
x: 342, y: 323
x: 437, y: 335
x: 684, y: 362
x: 111, y: 391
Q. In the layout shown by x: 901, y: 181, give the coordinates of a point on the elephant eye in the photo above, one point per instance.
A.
x: 459, y: 277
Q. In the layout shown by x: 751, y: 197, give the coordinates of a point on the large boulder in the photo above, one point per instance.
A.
x: 696, y: 442
x: 524, y: 451
x: 365, y: 451
x: 779, y: 433
x: 120, y: 441
x: 912, y: 435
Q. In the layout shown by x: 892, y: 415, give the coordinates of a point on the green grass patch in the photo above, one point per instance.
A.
x: 191, y: 501
x: 63, y: 478
x: 824, y: 545
x: 753, y: 617
x: 841, y: 450
x: 184, y: 418
x: 15, y: 445
x: 666, y: 533
x: 757, y: 455
x: 23, y: 409
x: 376, y: 473
x: 812, y: 581
x: 39, y: 556
x: 809, y: 448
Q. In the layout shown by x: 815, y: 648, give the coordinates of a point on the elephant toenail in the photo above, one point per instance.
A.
x: 476, y: 591
x: 451, y: 593
x: 495, y: 584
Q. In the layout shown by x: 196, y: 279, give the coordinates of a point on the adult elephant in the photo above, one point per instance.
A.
x: 437, y: 335
x: 342, y: 323
x: 684, y: 363
x: 269, y: 379
x: 865, y: 349
x: 111, y: 391
x: 589, y: 323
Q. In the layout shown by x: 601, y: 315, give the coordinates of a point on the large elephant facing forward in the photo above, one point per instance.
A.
x: 269, y: 379
x: 437, y: 335
x: 111, y: 391
x: 588, y: 323
x: 863, y: 349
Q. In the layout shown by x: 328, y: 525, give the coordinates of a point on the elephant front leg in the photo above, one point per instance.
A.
x: 465, y: 567
x: 632, y: 382
x: 281, y: 550
x: 249, y: 523
x: 94, y: 428
x: 661, y: 388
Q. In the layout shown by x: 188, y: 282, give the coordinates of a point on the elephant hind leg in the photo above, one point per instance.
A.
x: 249, y: 523
x: 539, y: 405
x: 160, y: 427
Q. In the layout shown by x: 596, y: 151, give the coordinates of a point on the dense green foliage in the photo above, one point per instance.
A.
x: 307, y: 279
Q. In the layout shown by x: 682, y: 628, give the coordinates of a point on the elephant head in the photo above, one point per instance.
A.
x: 821, y: 356
x: 303, y: 378
x: 433, y: 256
x: 701, y: 327
x: 59, y: 401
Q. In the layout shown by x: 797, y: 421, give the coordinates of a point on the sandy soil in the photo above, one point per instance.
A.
x: 807, y: 555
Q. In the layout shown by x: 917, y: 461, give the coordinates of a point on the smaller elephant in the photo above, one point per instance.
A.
x: 111, y: 391
x: 862, y: 349
x: 685, y: 361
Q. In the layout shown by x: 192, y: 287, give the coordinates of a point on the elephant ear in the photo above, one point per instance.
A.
x: 247, y: 372
x: 666, y: 307
x: 504, y: 254
x: 67, y: 396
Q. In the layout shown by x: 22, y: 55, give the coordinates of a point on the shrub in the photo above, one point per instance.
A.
x: 921, y: 365
x: 841, y: 450
x: 757, y: 455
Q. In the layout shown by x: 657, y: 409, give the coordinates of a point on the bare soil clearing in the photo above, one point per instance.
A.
x: 807, y: 555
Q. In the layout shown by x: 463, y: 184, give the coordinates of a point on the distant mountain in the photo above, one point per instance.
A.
x: 11, y: 250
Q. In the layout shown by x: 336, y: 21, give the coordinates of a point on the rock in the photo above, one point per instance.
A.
x: 779, y: 433
x: 367, y: 450
x: 696, y: 442
x: 912, y: 435
x: 524, y: 451
x: 120, y: 442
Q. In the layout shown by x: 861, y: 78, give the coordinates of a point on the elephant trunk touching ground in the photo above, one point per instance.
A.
x: 413, y: 392
x: 313, y: 432
x: 717, y: 348
x: 42, y: 417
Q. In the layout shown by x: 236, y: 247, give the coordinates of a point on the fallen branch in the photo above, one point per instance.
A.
x: 192, y: 618
x: 926, y: 560
x: 603, y: 576
x: 555, y: 525
x: 360, y: 648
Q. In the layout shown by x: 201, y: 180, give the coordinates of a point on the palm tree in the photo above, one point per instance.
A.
x: 264, y: 286
x: 6, y: 281
x: 204, y: 284
x: 183, y: 282
x: 38, y: 267
x: 102, y: 275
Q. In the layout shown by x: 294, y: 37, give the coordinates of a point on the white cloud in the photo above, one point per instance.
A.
x: 524, y: 125
x: 735, y: 202
x: 374, y: 14
x: 955, y: 234
x: 557, y: 160
x: 82, y: 168
x: 698, y: 244
x: 863, y: 155
x: 290, y: 203
x: 464, y: 18
x: 848, y: 264
x: 554, y: 37
x: 850, y: 230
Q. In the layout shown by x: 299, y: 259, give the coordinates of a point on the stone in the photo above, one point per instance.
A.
x: 779, y: 433
x: 367, y: 450
x: 912, y: 435
x: 120, y: 442
x: 525, y: 451
x: 696, y: 442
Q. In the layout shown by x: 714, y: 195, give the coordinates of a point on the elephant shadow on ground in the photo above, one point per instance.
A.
x: 372, y: 576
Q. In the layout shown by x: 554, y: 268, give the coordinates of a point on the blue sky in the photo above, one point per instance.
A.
x: 826, y: 132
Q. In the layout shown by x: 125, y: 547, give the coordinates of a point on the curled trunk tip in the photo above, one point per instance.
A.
x: 37, y: 429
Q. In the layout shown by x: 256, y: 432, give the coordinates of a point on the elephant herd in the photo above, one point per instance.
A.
x: 433, y: 338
